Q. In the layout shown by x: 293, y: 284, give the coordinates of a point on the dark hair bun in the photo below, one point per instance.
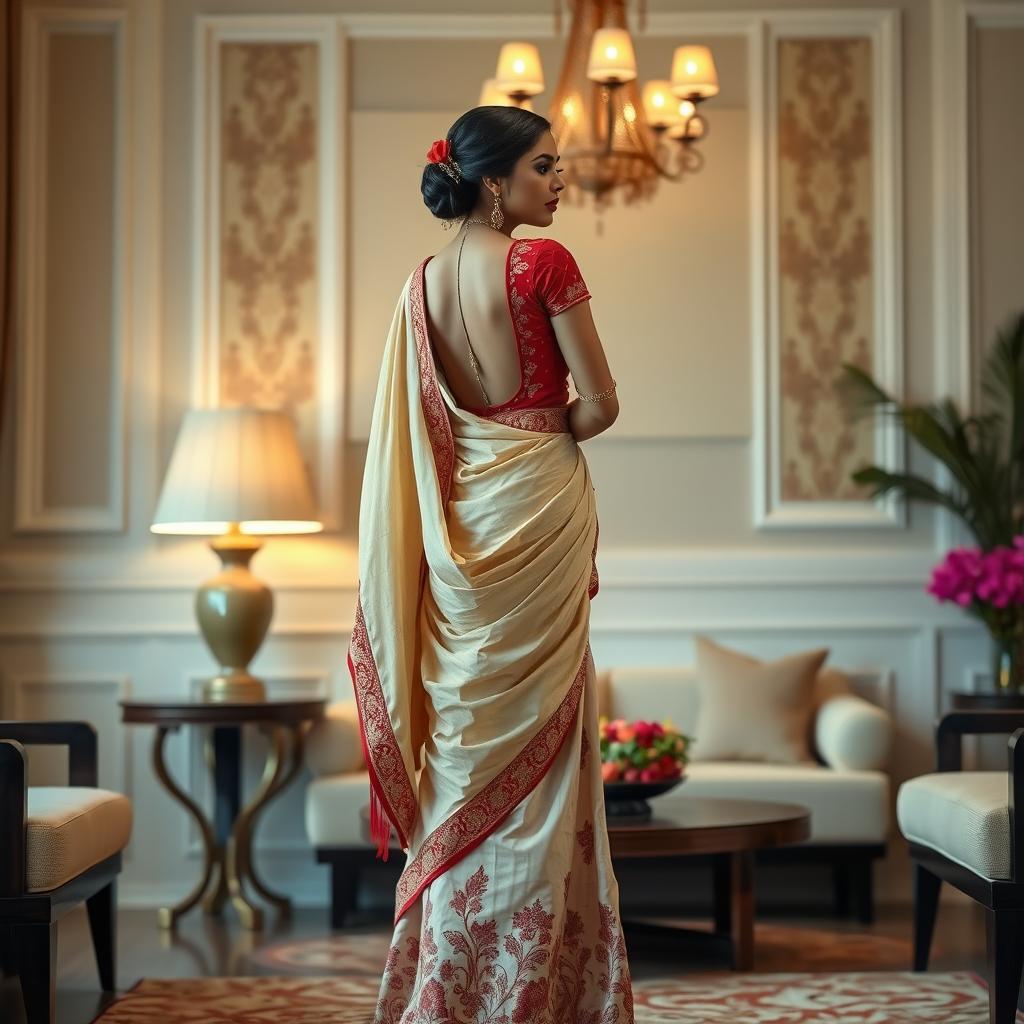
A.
x: 483, y: 141
x: 445, y: 199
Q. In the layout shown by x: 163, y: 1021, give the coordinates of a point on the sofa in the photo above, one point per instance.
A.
x: 845, y: 786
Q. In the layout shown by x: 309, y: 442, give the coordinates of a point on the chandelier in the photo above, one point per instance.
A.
x: 610, y: 135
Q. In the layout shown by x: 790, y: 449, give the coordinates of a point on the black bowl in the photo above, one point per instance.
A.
x: 629, y: 799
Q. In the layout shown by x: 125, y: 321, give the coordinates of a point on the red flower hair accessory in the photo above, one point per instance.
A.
x: 440, y: 154
x: 439, y: 151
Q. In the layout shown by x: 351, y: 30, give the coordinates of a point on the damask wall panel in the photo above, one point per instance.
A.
x: 268, y: 229
x: 832, y: 256
x: 826, y: 303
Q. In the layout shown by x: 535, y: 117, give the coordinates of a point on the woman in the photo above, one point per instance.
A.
x: 470, y: 654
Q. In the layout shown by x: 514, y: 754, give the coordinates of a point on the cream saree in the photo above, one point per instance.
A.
x: 471, y: 664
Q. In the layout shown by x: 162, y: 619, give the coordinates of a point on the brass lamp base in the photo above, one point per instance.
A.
x: 237, y: 688
x: 234, y: 610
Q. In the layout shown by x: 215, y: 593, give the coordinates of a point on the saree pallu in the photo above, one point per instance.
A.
x: 471, y: 664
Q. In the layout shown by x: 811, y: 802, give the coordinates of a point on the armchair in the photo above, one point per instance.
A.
x: 59, y: 845
x: 962, y: 828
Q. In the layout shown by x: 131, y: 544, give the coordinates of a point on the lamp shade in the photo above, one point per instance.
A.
x: 519, y: 69
x: 611, y: 57
x: 239, y: 466
x: 693, y: 72
x: 660, y: 105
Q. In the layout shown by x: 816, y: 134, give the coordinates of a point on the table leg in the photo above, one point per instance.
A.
x: 168, y: 916
x: 722, y: 893
x: 742, y: 909
x: 239, y: 850
x: 223, y: 750
x: 298, y: 742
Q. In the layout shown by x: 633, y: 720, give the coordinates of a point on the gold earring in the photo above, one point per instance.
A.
x: 497, y: 217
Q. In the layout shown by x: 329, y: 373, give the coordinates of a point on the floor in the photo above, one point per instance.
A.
x: 206, y: 946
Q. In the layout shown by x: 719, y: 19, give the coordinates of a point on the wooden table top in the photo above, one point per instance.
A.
x: 696, y: 825
x: 175, y: 711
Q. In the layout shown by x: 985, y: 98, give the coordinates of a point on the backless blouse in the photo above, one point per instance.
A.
x: 541, y: 279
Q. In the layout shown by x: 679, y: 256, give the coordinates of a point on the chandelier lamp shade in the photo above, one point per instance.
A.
x: 613, y: 135
x: 236, y: 475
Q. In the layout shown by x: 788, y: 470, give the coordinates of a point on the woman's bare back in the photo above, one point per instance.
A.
x: 487, y: 318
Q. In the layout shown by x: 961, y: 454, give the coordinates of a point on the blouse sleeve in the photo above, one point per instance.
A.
x: 557, y: 279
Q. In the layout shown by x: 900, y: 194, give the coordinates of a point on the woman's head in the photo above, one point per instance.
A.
x: 499, y: 150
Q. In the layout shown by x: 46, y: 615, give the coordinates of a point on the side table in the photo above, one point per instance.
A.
x: 985, y: 700
x: 227, y: 841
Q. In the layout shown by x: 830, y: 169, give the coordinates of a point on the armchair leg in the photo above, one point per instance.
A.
x: 926, y: 903
x: 101, y: 907
x: 863, y: 876
x: 344, y: 882
x: 35, y: 953
x: 1005, y: 932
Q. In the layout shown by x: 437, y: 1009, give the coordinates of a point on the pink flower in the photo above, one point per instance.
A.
x: 969, y: 575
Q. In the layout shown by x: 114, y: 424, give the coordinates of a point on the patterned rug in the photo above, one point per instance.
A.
x: 872, y: 997
x: 776, y: 948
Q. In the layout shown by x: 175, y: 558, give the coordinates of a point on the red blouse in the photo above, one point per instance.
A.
x: 541, y: 279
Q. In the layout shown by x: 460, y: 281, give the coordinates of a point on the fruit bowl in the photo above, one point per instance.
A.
x: 629, y: 799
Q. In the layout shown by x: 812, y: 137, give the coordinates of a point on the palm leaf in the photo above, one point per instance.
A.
x: 915, y: 488
x: 1002, y: 383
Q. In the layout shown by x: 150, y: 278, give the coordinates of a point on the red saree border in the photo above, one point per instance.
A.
x: 435, y: 412
x: 390, y: 783
x: 461, y: 832
x: 389, y: 780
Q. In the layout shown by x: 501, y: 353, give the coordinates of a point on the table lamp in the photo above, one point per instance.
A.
x: 235, y: 474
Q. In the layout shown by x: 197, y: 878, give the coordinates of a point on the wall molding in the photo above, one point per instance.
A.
x: 31, y: 513
x: 328, y: 34
x: 954, y: 252
x: 882, y: 27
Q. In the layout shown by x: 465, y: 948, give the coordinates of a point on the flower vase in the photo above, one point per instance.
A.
x: 1008, y: 664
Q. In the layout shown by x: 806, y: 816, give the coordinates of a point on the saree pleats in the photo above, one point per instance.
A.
x: 472, y: 669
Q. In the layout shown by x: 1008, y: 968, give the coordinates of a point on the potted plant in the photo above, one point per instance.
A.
x: 984, y: 455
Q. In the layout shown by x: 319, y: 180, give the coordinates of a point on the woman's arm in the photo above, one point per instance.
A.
x: 583, y: 352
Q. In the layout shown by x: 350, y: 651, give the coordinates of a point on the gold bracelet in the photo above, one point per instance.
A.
x: 600, y: 396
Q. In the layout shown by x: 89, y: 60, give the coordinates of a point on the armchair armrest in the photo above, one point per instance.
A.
x: 78, y: 737
x: 852, y: 733
x: 949, y: 732
x: 13, y: 810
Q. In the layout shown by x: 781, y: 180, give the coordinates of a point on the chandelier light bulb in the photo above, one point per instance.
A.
x: 693, y: 73
x: 659, y: 104
x: 519, y: 70
x: 612, y: 60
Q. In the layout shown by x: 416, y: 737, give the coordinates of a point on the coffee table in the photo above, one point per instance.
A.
x: 729, y: 830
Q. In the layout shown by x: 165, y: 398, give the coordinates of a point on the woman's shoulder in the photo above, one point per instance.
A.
x: 545, y: 244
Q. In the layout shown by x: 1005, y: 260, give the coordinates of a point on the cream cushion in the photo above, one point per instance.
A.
x: 71, y: 828
x: 750, y: 710
x: 965, y: 816
x: 333, y: 743
x: 850, y: 732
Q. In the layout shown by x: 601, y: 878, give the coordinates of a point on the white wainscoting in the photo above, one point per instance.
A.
x: 62, y: 660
